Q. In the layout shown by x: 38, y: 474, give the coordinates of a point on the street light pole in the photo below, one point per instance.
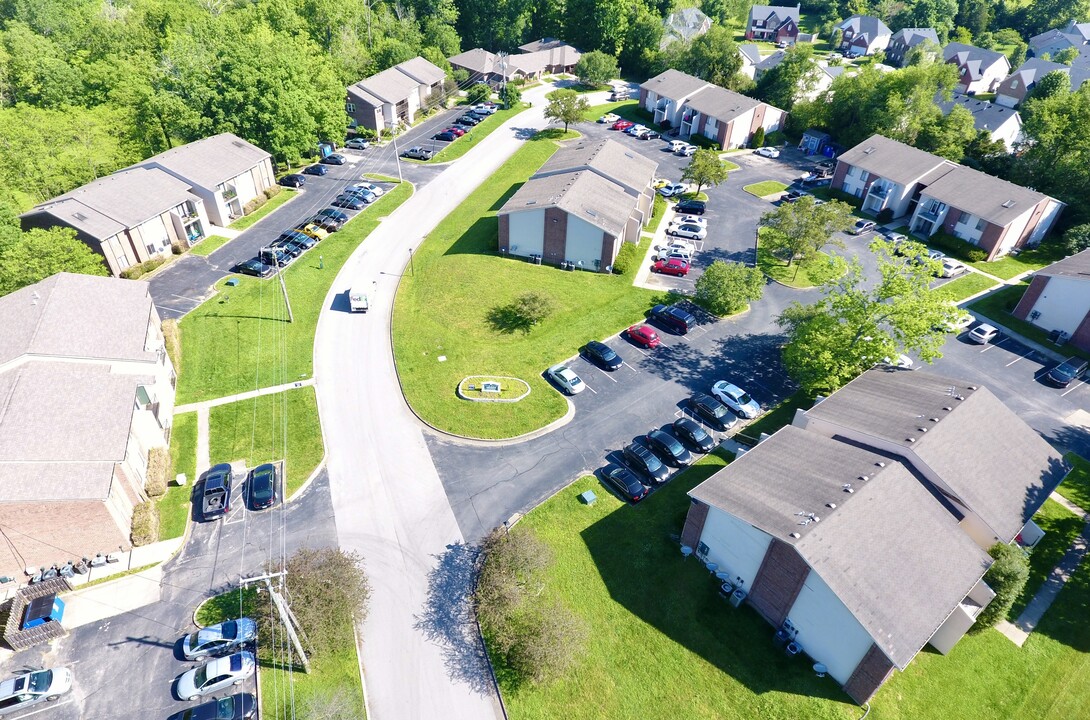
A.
x: 412, y: 268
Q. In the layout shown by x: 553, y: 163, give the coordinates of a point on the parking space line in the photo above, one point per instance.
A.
x: 47, y: 707
x: 1076, y: 387
x: 604, y: 373
x: 588, y: 387
x: 1020, y: 357
x: 629, y: 366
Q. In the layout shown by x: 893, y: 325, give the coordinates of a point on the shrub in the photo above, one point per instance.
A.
x: 628, y: 259
x: 956, y: 247
x: 1077, y: 239
x: 145, y: 524
x: 254, y: 205
x: 525, y: 311
x: 478, y: 93
x: 1007, y: 577
x: 272, y: 191
x: 137, y: 271
x: 173, y: 341
x: 885, y: 215
x: 845, y: 197
x: 726, y: 288
x: 704, y: 142
x: 177, y: 248
x: 773, y: 139
x: 158, y: 465
x: 758, y: 138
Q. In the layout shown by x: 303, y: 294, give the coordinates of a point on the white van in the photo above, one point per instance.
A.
x: 676, y: 145
x: 30, y: 689
x: 357, y: 300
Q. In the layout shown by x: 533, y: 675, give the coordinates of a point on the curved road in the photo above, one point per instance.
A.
x: 420, y: 654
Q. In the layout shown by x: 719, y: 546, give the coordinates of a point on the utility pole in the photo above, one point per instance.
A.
x: 291, y: 624
x: 397, y: 157
x: 502, y: 58
x: 283, y: 287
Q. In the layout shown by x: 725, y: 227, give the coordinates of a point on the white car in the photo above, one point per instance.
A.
x: 566, y: 378
x: 691, y: 232
x: 366, y: 187
x: 636, y: 129
x: 689, y: 220
x: 676, y: 244
x: 952, y: 268
x: 686, y: 151
x: 357, y: 144
x: 768, y: 152
x: 671, y: 189
x: 215, y: 675
x: 609, y: 118
x: 983, y: 333
x: 902, y: 361
x: 959, y: 322
x: 936, y: 255
x: 736, y: 399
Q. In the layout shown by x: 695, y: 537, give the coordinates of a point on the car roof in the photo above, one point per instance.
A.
x: 729, y: 388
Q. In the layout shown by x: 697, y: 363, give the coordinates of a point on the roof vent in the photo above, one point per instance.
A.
x: 847, y: 487
x: 910, y: 439
x: 79, y: 216
x: 922, y: 429
x: 796, y: 535
x: 948, y: 408
x: 864, y: 478
x: 831, y: 506
x: 238, y: 143
x: 880, y: 464
x: 1008, y: 204
x: 868, y: 151
x: 531, y: 202
x: 959, y: 397
x: 934, y: 419
x: 972, y: 387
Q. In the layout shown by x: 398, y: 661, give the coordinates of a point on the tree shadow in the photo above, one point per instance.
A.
x: 448, y: 619
x: 507, y: 320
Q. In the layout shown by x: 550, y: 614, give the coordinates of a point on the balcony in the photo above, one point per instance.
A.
x: 229, y: 193
x: 931, y: 213
x: 880, y: 191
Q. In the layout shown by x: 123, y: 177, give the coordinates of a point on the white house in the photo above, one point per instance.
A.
x: 1000, y: 122
x: 979, y: 70
x: 1058, y: 300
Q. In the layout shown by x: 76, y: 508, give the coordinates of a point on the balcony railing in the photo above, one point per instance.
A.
x: 879, y: 191
x: 930, y: 213
x: 230, y: 193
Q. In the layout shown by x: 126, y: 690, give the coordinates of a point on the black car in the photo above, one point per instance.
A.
x: 254, y: 267
x: 216, y: 495
x: 295, y: 239
x: 316, y: 170
x: 326, y: 223
x: 642, y: 460
x: 333, y: 215
x: 667, y: 447
x: 691, y: 207
x: 241, y: 706
x: 348, y: 201
x: 446, y: 136
x: 673, y: 318
x: 1063, y: 374
x: 334, y: 159
x: 261, y: 487
x: 293, y: 180
x: 602, y: 355
x: 626, y: 483
x: 712, y: 411
x: 692, y: 434
x: 469, y: 120
x: 274, y: 256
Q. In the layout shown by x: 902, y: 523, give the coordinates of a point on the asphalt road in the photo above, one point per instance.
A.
x: 125, y: 666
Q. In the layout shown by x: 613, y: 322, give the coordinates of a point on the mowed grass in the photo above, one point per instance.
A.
x: 240, y: 339
x: 1060, y: 526
x: 1076, y: 486
x: 765, y: 188
x: 798, y: 275
x: 998, y: 306
x: 776, y: 418
x: 464, y: 144
x: 965, y: 286
x: 174, y: 506
x: 269, y: 428
x: 626, y: 109
x: 279, y: 199
x: 1010, y: 266
x: 443, y: 309
x: 209, y: 245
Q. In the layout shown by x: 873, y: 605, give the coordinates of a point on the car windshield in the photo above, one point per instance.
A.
x: 200, y: 678
x: 743, y: 398
x: 195, y: 640
x: 574, y: 380
x: 40, y: 681
x: 236, y: 663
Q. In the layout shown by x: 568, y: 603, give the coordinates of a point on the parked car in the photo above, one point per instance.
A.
x: 446, y: 136
x: 1069, y: 370
x: 332, y: 214
x: 369, y: 187
x: 262, y: 486
x: 686, y: 151
x: 952, y: 268
x: 335, y: 159
x: 240, y: 706
x: 625, y: 482
x: 216, y: 675
x: 253, y: 267
x: 960, y: 322
x: 609, y: 118
x: 671, y: 266
x: 297, y: 237
x: 671, y: 189
x: 691, y: 207
x: 566, y: 378
x: 673, y: 318
x: 983, y: 333
x: 619, y: 94
x: 314, y: 230
x: 794, y: 194
x: 484, y: 109
x: 469, y: 120
x: 418, y: 153
x: 348, y: 201
x: 601, y: 355
x: 676, y: 244
x: 456, y: 130
x: 690, y: 433
x: 325, y: 222
x: 316, y: 170
x: 692, y: 232
x: 644, y: 336
x: 222, y: 639
x: 862, y: 226
x: 293, y: 180
x: 667, y: 447
x: 712, y: 411
x: 689, y: 220
x: 274, y: 256
x: 936, y: 255
x: 768, y: 152
x: 642, y: 460
x: 366, y: 195
x: 622, y: 125
x: 635, y: 130
x: 357, y: 144
x: 216, y: 494
x: 736, y: 399
x: 24, y: 691
x: 647, y: 134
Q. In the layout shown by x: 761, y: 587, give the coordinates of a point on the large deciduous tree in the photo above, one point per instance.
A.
x: 705, y: 169
x: 566, y: 106
x: 799, y: 230
x: 27, y: 257
x: 713, y: 57
x: 1056, y: 154
x: 725, y: 288
x: 795, y: 76
x: 596, y: 68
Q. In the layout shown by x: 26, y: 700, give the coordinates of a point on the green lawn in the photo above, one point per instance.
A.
x: 966, y: 286
x: 1076, y: 486
x: 998, y: 306
x: 765, y: 187
x: 1060, y: 526
x: 240, y: 339
x: 731, y: 167
x: 459, y: 282
x: 626, y: 109
x: 775, y: 418
x: 334, y: 670
x: 258, y: 431
x: 209, y: 245
x: 799, y: 275
x: 279, y: 199
x: 658, y: 209
x: 174, y: 506
x: 464, y: 144
x: 1027, y: 261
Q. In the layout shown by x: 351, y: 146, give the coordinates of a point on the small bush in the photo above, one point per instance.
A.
x: 173, y: 341
x: 254, y: 205
x: 329, y: 593
x: 845, y: 197
x: 758, y: 138
x: 704, y: 142
x: 145, y: 524
x: 158, y: 465
x: 177, y: 248
x: 773, y: 139
x: 478, y: 93
x: 628, y: 259
x: 137, y: 271
x: 1077, y: 239
x: 272, y: 191
x: 885, y: 215
x: 956, y: 247
x: 1007, y: 577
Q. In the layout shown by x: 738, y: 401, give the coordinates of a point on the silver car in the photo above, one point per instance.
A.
x: 26, y: 690
x: 736, y: 399
x: 215, y: 675
x: 219, y: 639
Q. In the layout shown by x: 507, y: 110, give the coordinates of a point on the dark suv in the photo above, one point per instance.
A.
x: 217, y: 492
x: 712, y: 411
x: 642, y: 460
x: 673, y: 318
x: 691, y: 207
x: 1063, y: 374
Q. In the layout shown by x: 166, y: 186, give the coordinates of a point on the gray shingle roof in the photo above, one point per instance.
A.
x: 763, y: 12
x: 1077, y: 266
x: 685, y: 24
x: 475, y: 60
x: 674, y: 84
x: 720, y: 103
x: 975, y: 60
x: 210, y: 161
x: 557, y: 52
x: 542, y: 44
x: 912, y: 37
x: 867, y: 26
x: 395, y: 84
x: 984, y: 452
x: 77, y: 316
x: 983, y: 195
x: 986, y: 115
x: 750, y: 52
x: 1050, y: 36
x: 585, y: 195
x: 608, y: 158
x: 106, y: 206
x: 889, y: 551
x: 424, y: 71
x: 893, y: 160
x: 62, y: 427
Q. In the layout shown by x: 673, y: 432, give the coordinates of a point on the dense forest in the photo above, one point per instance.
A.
x: 89, y: 86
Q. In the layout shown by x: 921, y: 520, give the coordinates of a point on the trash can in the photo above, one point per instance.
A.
x: 781, y: 638
x: 793, y: 649
x: 737, y: 597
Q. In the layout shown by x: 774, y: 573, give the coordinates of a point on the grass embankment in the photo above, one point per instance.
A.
x: 451, y: 306
x: 277, y: 200
x: 1009, y: 266
x: 1060, y: 526
x: 1076, y: 486
x: 209, y: 245
x: 765, y: 188
x: 174, y: 506
x: 965, y: 286
x: 478, y: 132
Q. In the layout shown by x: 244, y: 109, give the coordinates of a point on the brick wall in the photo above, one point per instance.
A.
x: 694, y: 524
x: 870, y: 673
x: 1025, y: 305
x: 991, y: 239
x: 555, y: 236
x: 505, y: 233
x: 839, y: 174
x: 778, y: 582
x: 44, y: 533
x: 1081, y: 337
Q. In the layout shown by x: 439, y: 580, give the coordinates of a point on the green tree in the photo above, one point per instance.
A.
x: 1056, y: 82
x: 795, y: 76
x: 641, y: 41
x: 713, y: 57
x: 1077, y: 238
x: 594, y: 25
x: 36, y: 254
x: 948, y: 135
x: 726, y: 288
x: 938, y: 14
x: 1055, y: 148
x: 857, y: 323
x: 705, y: 169
x: 1066, y: 56
x: 799, y: 230
x: 1007, y: 578
x: 478, y: 93
x: 566, y: 106
x: 510, y: 95
x: 596, y: 68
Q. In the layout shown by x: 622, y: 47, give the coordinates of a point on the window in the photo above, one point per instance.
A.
x: 964, y: 217
x: 980, y: 224
x: 150, y: 249
x: 350, y: 107
x: 1014, y: 84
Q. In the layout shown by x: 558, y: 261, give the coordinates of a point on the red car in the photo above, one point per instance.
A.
x: 622, y: 125
x: 671, y: 266
x: 456, y: 130
x: 644, y: 336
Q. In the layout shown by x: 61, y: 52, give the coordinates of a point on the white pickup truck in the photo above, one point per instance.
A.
x: 357, y: 300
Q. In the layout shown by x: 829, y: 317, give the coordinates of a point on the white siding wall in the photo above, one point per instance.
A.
x: 584, y: 242
x: 244, y: 184
x: 827, y: 631
x: 527, y: 232
x: 739, y: 130
x: 1014, y: 231
x: 853, y: 181
x: 711, y: 129
x: 773, y: 119
x: 735, y: 545
x: 1063, y: 304
x: 967, y: 230
x: 1051, y: 213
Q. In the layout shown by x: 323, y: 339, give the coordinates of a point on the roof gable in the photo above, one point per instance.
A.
x: 720, y: 103
x: 1076, y: 266
x: 210, y: 161
x: 674, y: 85
x: 583, y: 194
x: 985, y: 196
x: 893, y: 160
x: 608, y: 158
x: 775, y: 15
